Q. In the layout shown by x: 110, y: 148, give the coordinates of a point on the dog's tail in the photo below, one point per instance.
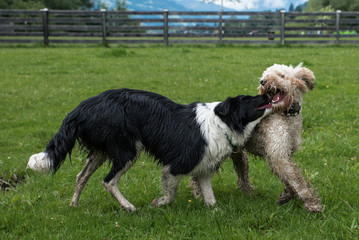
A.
x: 60, y: 145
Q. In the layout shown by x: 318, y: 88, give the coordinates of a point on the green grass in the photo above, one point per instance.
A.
x: 39, y: 86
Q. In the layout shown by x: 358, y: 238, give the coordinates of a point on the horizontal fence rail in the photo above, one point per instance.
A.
x: 170, y: 27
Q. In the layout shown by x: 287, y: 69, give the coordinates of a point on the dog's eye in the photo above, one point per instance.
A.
x: 282, y: 76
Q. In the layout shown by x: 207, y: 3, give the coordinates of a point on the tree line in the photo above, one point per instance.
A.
x: 332, y: 5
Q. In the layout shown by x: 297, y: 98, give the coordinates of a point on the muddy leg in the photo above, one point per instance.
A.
x: 195, y: 187
x: 290, y: 174
x: 170, y: 186
x: 241, y: 166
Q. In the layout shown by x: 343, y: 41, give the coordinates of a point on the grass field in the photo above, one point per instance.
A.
x: 39, y: 86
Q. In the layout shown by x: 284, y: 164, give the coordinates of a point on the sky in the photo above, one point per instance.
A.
x: 244, y: 5
x: 239, y: 5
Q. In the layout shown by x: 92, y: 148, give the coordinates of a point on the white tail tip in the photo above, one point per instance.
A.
x: 39, y: 162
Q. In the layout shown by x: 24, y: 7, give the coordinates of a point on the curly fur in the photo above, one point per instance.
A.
x: 277, y: 137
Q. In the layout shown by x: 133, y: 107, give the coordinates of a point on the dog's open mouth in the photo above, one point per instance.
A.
x: 276, y: 95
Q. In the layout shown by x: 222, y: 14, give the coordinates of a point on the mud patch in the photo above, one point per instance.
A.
x: 11, y: 182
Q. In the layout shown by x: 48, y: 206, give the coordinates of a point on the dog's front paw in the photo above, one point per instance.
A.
x: 210, y: 203
x: 129, y: 208
x: 159, y: 202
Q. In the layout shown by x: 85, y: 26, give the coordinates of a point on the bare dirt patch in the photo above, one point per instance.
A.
x: 12, y: 182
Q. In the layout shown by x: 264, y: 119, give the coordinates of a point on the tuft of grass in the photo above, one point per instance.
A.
x: 40, y: 86
x: 118, y: 52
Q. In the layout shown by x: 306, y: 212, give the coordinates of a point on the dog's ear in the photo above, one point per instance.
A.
x: 223, y: 108
x: 306, y: 75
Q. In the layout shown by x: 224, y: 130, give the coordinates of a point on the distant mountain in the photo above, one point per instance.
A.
x: 171, y: 5
x: 199, y: 5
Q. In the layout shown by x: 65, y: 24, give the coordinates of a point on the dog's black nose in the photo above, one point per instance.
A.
x: 263, y: 82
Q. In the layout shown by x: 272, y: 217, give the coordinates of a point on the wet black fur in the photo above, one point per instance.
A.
x: 115, y: 120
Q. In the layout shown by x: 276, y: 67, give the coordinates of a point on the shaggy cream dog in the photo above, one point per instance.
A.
x: 278, y: 136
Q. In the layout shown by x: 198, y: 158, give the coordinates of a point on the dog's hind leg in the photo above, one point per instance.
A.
x: 112, y: 186
x: 94, y: 161
x: 122, y: 160
x: 241, y: 166
x: 290, y: 174
x: 170, y: 186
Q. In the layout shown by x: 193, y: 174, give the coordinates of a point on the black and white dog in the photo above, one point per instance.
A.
x: 186, y: 139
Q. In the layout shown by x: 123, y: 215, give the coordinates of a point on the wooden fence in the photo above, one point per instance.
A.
x: 167, y: 27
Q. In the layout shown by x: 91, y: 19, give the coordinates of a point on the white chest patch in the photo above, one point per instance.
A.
x: 219, y: 137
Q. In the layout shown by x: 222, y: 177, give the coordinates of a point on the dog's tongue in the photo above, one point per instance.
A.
x: 277, y: 97
x: 269, y: 105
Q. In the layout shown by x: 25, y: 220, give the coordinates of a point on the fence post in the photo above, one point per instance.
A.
x: 103, y: 25
x: 165, y: 27
x: 282, y: 27
x: 220, y: 26
x: 338, y: 25
x: 45, y: 25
